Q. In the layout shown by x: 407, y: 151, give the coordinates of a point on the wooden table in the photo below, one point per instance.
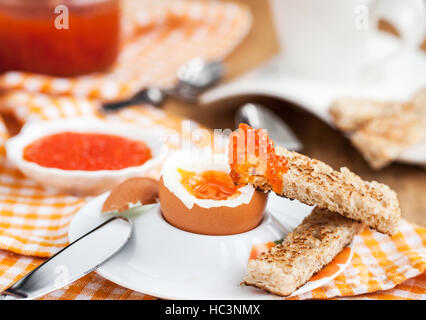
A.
x: 319, y: 139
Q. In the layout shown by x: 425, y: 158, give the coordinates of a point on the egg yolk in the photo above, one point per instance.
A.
x: 211, y: 184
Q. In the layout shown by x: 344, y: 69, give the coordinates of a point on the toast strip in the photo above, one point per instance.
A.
x: 383, y: 139
x: 381, y: 131
x: 314, y: 183
x: 304, y: 252
x: 351, y: 114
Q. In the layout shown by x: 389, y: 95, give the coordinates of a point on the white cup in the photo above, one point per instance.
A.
x: 333, y: 39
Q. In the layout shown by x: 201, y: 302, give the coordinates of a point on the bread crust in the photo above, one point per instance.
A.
x: 313, y: 182
x: 304, y: 252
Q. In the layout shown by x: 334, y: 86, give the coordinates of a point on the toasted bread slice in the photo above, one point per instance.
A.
x: 351, y: 114
x: 312, y: 182
x: 381, y: 131
x: 383, y: 139
x: 304, y: 252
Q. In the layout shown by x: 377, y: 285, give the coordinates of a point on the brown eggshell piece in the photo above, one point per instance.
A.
x: 131, y: 191
x: 215, y: 220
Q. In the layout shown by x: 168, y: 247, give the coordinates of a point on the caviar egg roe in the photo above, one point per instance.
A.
x: 198, y: 195
x: 87, y: 151
x: 252, y: 153
x: 211, y: 184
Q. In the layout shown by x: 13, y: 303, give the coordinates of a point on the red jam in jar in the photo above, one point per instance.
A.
x: 34, y: 38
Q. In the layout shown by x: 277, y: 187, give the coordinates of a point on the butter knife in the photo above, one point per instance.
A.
x: 79, y: 258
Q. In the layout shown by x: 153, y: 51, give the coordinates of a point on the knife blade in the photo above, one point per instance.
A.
x: 79, y: 258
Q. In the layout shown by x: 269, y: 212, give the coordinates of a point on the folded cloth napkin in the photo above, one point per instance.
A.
x: 158, y: 38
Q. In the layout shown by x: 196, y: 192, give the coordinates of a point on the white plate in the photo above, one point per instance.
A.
x: 399, y: 79
x: 169, y: 263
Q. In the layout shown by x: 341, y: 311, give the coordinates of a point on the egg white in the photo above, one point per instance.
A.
x: 199, y: 160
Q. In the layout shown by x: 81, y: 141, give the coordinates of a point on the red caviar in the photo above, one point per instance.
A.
x: 87, y: 151
x: 252, y: 153
x: 211, y: 184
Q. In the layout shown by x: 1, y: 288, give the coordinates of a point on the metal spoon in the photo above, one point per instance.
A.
x: 193, y: 77
x: 258, y: 116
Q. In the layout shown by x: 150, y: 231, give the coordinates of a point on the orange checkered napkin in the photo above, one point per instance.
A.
x: 27, y: 106
x: 381, y: 263
x: 366, y: 277
x: 34, y: 222
x: 159, y: 37
x: 382, y: 268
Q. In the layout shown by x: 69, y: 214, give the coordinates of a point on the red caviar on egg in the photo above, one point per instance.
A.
x: 252, y: 153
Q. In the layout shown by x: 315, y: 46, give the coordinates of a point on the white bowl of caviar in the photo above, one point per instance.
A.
x: 86, y: 156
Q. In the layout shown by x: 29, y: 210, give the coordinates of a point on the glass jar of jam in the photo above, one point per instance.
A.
x: 59, y: 37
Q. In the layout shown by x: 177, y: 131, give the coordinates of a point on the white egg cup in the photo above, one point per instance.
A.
x: 80, y: 181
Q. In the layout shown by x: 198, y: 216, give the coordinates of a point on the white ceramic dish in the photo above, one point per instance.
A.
x: 80, y: 181
x: 169, y: 263
x: 398, y: 80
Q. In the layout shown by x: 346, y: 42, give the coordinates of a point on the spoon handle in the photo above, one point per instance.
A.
x: 151, y: 96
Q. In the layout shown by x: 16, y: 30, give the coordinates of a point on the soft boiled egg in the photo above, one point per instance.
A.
x: 198, y: 195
